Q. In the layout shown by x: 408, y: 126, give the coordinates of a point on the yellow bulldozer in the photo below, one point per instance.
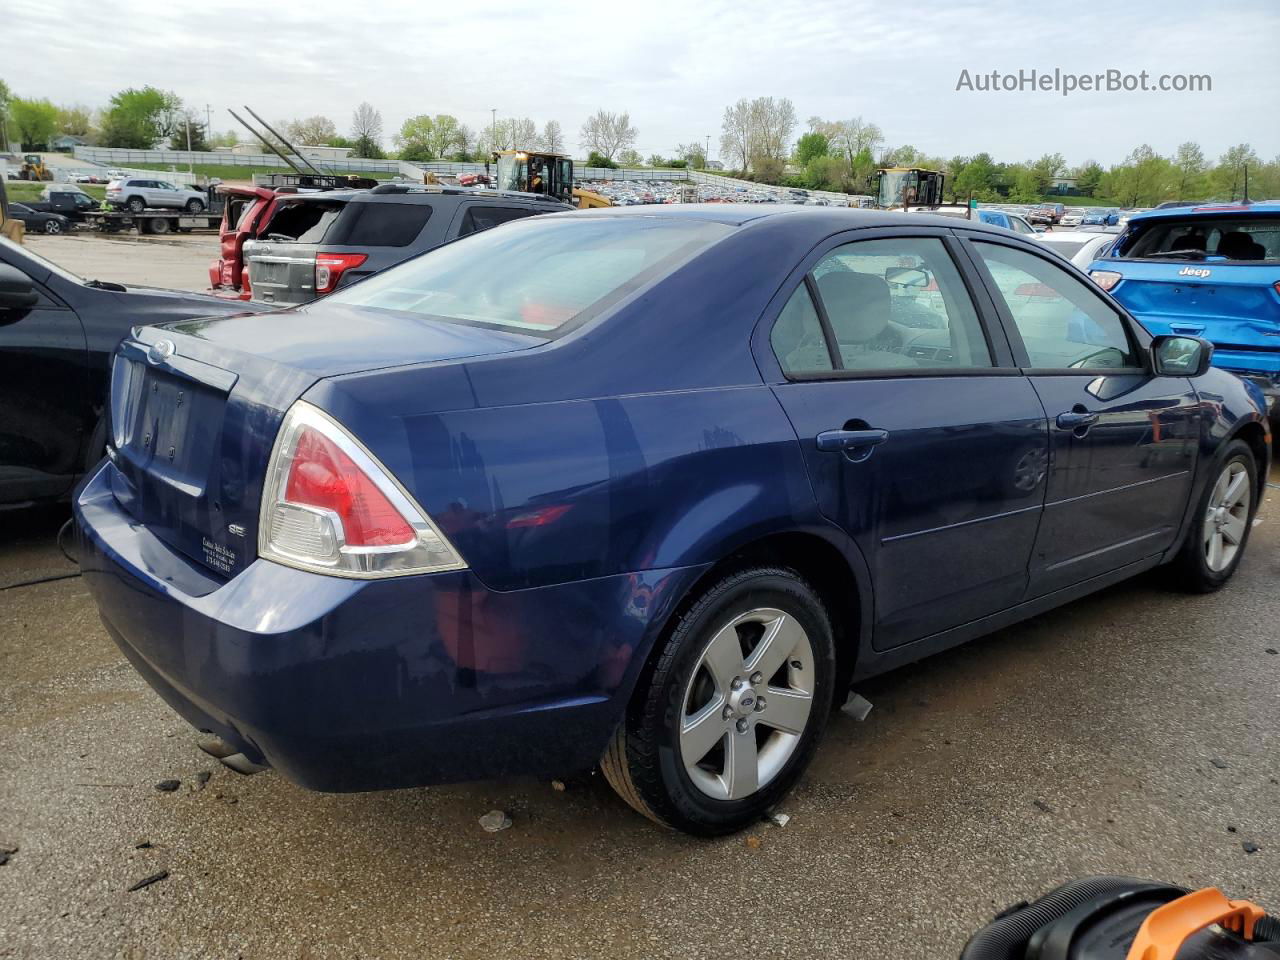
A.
x: 33, y: 168
x: 10, y: 229
x: 550, y: 174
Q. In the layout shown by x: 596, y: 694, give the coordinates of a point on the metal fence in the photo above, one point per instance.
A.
x: 119, y: 157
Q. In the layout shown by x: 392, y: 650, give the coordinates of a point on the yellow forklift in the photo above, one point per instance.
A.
x: 549, y: 174
x: 10, y: 229
x: 33, y: 168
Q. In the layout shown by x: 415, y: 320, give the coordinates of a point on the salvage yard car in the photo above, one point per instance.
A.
x: 649, y: 487
x: 136, y: 194
x: 58, y: 333
x: 1209, y: 271
x: 309, y: 245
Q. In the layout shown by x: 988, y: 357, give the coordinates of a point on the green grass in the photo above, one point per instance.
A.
x: 22, y: 191
x: 237, y: 173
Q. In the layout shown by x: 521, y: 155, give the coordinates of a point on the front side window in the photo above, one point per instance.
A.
x: 899, y: 304
x: 1063, y: 324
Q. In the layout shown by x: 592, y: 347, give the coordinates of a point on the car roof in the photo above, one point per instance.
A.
x: 834, y: 218
x: 1208, y: 210
x: 1064, y: 236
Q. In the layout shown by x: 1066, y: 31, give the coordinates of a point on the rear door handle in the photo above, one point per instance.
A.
x: 852, y: 442
x: 1076, y: 419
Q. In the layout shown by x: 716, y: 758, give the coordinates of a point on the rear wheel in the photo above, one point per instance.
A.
x: 136, y: 204
x: 159, y: 225
x: 1221, y: 522
x: 733, y: 709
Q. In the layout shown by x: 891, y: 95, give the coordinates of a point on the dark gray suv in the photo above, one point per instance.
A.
x: 316, y: 243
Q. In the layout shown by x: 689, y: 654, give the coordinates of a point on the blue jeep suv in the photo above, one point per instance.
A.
x: 1210, y: 271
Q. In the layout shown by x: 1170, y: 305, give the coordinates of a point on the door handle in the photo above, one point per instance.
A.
x: 1078, y: 419
x: 851, y: 441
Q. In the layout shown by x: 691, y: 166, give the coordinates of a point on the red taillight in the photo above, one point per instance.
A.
x: 331, y: 266
x: 323, y: 476
x: 245, y: 286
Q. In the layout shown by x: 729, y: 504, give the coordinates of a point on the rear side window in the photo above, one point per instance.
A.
x: 899, y: 304
x: 1064, y: 325
x: 302, y: 222
x: 380, y: 224
x: 479, y: 218
x: 797, y: 338
x: 1243, y: 239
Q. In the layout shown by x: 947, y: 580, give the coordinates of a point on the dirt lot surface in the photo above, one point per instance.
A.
x: 1136, y: 731
x: 179, y: 261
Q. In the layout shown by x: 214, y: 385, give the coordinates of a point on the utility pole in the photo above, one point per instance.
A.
x: 208, y: 123
x: 706, y: 157
x: 191, y: 170
x: 493, y: 136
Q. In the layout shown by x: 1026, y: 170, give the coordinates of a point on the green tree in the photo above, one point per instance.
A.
x: 178, y: 139
x: 628, y: 158
x: 75, y: 121
x: 1047, y: 169
x: 810, y: 146
x: 1026, y: 185
x: 1089, y: 178
x: 827, y: 172
x: 596, y: 159
x: 692, y: 155
x: 366, y: 132
x: 977, y: 179
x: 427, y: 138
x: 1228, y: 176
x: 138, y: 119
x: 1191, y: 166
x: 1143, y: 180
x: 6, y: 99
x: 311, y: 132
x: 35, y: 122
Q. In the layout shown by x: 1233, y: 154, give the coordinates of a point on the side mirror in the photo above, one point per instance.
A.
x: 1178, y: 356
x: 907, y: 276
x: 16, y: 290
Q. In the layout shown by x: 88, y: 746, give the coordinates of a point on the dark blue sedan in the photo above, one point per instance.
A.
x: 649, y: 489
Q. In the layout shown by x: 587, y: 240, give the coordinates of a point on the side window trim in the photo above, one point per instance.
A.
x: 1014, y: 335
x: 989, y: 320
x: 828, y: 333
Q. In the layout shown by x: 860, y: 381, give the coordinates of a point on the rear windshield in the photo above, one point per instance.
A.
x: 538, y: 274
x: 1066, y: 248
x: 1242, y: 239
x: 303, y: 221
x: 379, y: 224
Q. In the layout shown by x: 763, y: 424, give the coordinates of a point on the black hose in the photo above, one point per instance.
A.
x: 62, y: 532
x: 1006, y: 937
x: 32, y: 583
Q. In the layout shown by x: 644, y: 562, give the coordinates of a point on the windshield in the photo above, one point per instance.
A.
x: 1067, y: 248
x: 1242, y: 239
x: 893, y: 184
x: 509, y: 172
x: 538, y: 274
x: 9, y: 247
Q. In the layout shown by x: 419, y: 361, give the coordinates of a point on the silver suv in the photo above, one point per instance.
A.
x: 137, y: 194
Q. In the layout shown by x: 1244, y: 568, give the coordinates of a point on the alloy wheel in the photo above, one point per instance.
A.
x: 747, y: 703
x: 1227, y: 517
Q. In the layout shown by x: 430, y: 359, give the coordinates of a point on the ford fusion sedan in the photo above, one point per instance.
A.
x: 649, y: 488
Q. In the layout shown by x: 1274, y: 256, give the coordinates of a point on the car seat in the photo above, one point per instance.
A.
x: 1238, y: 245
x: 859, y: 308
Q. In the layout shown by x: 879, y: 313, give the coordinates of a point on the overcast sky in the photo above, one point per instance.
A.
x: 675, y: 64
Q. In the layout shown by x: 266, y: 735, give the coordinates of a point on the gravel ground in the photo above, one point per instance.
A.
x: 1133, y: 732
x: 179, y: 261
x: 1129, y: 732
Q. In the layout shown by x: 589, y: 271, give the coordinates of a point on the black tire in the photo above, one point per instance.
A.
x: 1191, y: 569
x: 643, y: 762
x: 159, y: 226
x: 52, y: 227
x: 194, y: 205
x: 136, y: 204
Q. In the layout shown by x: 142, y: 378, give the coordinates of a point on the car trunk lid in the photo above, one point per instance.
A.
x: 196, y: 406
x: 282, y: 257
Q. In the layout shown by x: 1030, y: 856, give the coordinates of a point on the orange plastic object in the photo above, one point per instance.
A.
x: 1163, y: 932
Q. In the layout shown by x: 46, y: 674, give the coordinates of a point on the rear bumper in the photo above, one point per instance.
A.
x: 348, y: 685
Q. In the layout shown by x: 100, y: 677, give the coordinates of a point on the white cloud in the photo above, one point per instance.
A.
x: 675, y: 65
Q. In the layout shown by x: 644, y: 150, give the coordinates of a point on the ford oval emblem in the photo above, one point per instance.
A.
x: 161, y: 351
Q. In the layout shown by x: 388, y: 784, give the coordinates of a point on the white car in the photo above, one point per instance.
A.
x: 1081, y: 247
x: 1071, y: 218
x: 137, y: 194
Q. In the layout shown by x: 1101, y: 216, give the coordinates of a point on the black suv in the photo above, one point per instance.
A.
x: 317, y: 243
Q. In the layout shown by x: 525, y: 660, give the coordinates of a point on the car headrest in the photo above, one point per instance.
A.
x: 1238, y: 245
x: 857, y: 305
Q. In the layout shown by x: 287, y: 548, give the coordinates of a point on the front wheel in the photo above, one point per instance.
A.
x: 194, y: 206
x: 52, y: 226
x: 1221, y: 522
x: 733, y: 709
